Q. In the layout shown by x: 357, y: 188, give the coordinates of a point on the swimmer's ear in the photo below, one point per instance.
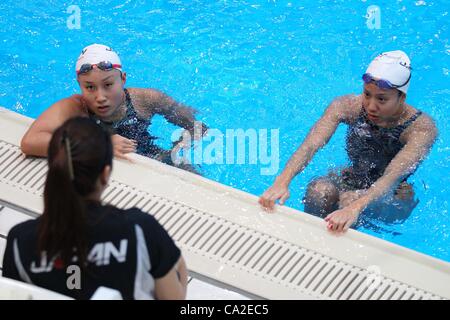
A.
x: 401, y: 96
x: 124, y: 77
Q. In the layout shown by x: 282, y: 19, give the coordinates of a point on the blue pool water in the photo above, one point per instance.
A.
x: 250, y: 65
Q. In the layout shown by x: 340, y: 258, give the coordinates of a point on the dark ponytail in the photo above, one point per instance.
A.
x: 78, y: 153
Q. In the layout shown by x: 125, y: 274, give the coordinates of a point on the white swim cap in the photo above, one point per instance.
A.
x: 393, y: 66
x: 96, y: 53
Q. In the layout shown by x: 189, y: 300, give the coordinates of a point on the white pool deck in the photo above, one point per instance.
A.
x: 233, y: 249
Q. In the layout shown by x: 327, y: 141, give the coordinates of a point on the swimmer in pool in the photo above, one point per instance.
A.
x: 386, y: 141
x: 125, y: 113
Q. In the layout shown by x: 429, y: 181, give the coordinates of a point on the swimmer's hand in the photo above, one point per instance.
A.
x: 341, y: 220
x: 186, y: 141
x: 122, y: 146
x: 278, y: 191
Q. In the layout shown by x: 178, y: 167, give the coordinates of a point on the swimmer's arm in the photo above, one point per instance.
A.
x: 36, y: 140
x: 175, y: 112
x: 418, y: 144
x: 338, y: 111
x: 173, y: 286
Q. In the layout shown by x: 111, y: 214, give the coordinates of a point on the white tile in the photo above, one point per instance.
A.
x: 200, y: 290
x: 9, y: 218
x: 2, y: 250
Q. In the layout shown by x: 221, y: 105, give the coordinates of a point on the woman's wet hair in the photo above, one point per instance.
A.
x: 78, y: 153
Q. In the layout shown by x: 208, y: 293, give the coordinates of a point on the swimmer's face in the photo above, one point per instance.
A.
x: 381, y: 105
x: 102, y: 90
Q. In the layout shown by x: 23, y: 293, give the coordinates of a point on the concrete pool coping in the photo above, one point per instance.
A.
x: 228, y: 240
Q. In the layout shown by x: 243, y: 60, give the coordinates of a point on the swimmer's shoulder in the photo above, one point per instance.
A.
x: 347, y: 107
x: 144, y: 94
x: 69, y: 107
x: 58, y: 113
x: 424, y: 124
x: 145, y: 100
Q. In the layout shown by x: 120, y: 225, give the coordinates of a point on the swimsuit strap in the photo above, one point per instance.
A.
x: 400, y: 127
x: 411, y: 120
x: 128, y: 105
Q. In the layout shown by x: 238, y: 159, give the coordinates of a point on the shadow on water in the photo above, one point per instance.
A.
x: 389, y: 212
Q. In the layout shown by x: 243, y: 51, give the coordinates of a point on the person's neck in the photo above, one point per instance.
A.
x: 94, y: 196
x: 400, y: 115
x: 396, y: 119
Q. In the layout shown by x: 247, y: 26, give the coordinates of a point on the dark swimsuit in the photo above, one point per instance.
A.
x: 370, y: 149
x: 132, y: 127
